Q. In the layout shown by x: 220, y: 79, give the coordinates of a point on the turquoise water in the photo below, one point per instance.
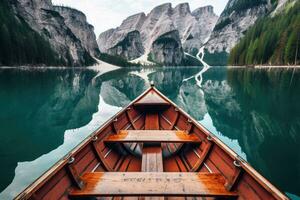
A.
x: 44, y: 113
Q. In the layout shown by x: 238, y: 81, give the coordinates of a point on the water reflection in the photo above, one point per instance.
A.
x: 36, y: 109
x: 270, y: 119
x: 28, y: 171
x: 255, y: 112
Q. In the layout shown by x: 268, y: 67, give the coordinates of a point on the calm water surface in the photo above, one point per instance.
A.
x: 45, y: 113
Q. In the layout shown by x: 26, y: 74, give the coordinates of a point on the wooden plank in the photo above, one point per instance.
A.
x: 101, y: 157
x: 166, y: 136
x: 233, y: 180
x: 153, y: 184
x: 152, y: 159
x: 152, y: 98
x: 202, y: 158
x: 130, y: 119
x: 152, y: 121
x: 75, y: 176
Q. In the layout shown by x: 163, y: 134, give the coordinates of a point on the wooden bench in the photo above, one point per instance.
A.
x: 149, y: 136
x: 152, y: 184
x: 152, y: 159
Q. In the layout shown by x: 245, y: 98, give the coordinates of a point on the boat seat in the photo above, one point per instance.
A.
x: 99, y: 184
x: 152, y: 102
x: 152, y: 159
x: 152, y: 136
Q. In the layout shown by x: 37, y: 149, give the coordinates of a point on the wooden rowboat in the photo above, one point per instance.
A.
x: 151, y: 150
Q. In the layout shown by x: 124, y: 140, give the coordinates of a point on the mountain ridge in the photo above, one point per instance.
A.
x: 190, y: 26
x: 265, y: 45
x: 70, y: 38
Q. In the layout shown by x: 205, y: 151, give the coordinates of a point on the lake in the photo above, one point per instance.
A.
x: 44, y: 113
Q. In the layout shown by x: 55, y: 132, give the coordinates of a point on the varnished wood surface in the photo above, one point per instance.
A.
x: 218, y: 158
x: 165, y: 136
x: 153, y: 184
x: 152, y: 98
x: 152, y: 159
x: 152, y: 121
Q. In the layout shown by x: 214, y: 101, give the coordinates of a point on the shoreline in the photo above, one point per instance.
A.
x: 106, y: 66
x: 100, y: 66
x: 267, y: 66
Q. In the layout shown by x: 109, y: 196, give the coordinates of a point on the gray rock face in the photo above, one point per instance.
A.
x: 68, y: 37
x: 78, y: 24
x: 188, y: 29
x: 130, y: 47
x: 110, y: 38
x: 205, y: 21
x: 157, y: 23
x: 103, y: 38
x: 282, y: 4
x: 167, y: 49
x: 232, y: 24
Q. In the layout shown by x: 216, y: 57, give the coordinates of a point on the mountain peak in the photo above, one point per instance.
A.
x: 182, y: 9
x: 161, y: 8
x: 203, y: 10
x: 133, y: 22
x: 165, y: 32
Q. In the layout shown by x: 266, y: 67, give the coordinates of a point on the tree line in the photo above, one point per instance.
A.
x: 19, y: 44
x: 272, y: 40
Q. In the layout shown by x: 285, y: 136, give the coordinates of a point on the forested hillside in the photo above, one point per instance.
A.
x: 272, y: 40
x: 19, y: 44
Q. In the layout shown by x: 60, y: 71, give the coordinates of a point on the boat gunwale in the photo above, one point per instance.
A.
x: 243, y: 163
x: 60, y: 164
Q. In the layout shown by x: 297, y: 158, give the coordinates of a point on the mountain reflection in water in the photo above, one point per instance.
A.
x: 46, y: 113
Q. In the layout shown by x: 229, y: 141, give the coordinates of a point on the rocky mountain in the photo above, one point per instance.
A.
x: 66, y: 29
x: 125, y: 40
x: 204, y: 23
x: 236, y: 18
x: 162, y: 35
x: 281, y: 5
x: 77, y: 22
x: 264, y: 44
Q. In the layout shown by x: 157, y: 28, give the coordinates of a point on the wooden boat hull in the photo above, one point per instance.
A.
x: 115, y: 148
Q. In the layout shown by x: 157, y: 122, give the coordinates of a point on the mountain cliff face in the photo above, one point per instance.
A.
x: 124, y: 41
x: 66, y: 29
x: 164, y: 34
x: 264, y: 44
x: 130, y: 47
x: 236, y: 18
x: 204, y: 21
x: 167, y: 49
x: 78, y: 24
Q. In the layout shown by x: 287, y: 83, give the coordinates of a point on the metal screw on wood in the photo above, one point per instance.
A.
x: 94, y: 138
x: 237, y: 163
x: 71, y: 160
x: 209, y: 138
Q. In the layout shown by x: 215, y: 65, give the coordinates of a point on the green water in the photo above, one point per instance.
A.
x: 45, y: 113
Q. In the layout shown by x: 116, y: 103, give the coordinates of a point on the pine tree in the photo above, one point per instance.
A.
x: 290, y: 50
x: 272, y: 40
